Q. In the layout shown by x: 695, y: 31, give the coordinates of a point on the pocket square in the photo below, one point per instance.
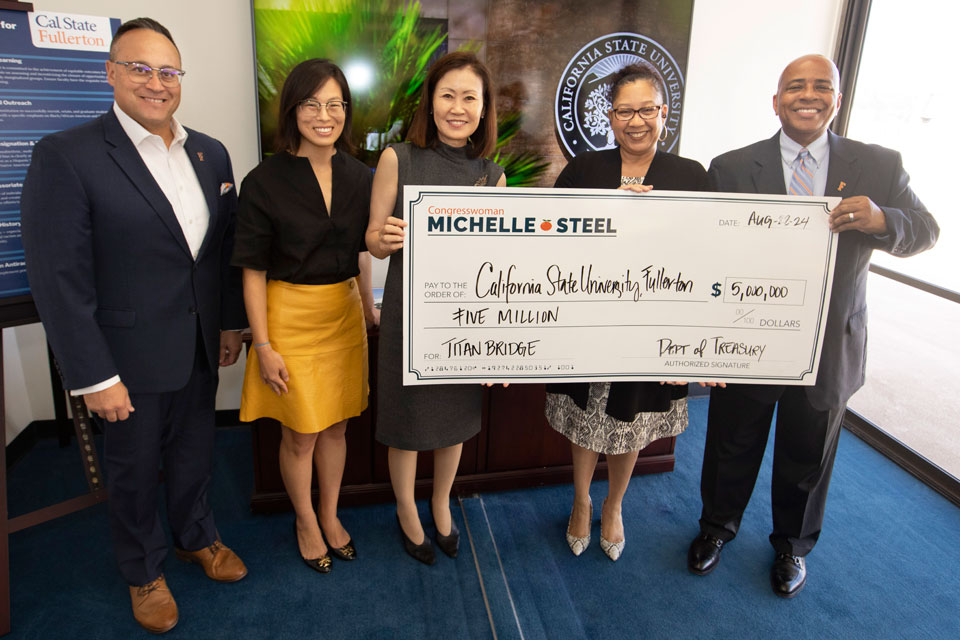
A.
x: 225, y: 187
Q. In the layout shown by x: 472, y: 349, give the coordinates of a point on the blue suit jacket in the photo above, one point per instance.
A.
x: 116, y: 286
x: 867, y: 170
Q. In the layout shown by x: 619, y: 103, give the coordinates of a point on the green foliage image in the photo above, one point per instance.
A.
x: 385, y: 49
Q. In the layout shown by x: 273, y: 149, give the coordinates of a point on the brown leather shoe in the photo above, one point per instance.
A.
x: 153, y: 606
x: 218, y: 562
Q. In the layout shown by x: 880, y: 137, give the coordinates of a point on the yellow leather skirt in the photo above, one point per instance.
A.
x: 320, y: 332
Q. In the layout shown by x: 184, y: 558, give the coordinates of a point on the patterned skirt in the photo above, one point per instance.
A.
x: 593, y: 429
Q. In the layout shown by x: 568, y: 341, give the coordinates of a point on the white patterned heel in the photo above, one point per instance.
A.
x: 578, y: 545
x: 613, y: 549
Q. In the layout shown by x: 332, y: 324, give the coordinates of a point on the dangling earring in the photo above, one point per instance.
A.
x: 663, y: 134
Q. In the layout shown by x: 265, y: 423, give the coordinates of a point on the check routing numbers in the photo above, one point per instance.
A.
x: 503, y: 285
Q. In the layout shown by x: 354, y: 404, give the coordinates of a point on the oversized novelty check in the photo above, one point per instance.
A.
x: 568, y: 285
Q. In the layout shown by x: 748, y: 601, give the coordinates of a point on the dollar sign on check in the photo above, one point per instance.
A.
x: 716, y: 289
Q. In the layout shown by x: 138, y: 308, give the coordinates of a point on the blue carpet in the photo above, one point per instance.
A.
x: 885, y: 566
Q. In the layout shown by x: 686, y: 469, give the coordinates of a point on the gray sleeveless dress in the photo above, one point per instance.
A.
x: 434, y: 416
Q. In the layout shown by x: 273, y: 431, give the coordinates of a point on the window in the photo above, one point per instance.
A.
x: 905, y: 100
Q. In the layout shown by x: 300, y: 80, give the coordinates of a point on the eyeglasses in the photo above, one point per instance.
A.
x: 311, y: 107
x: 647, y: 113
x: 141, y: 73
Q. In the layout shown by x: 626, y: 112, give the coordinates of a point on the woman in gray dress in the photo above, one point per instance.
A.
x: 452, y: 131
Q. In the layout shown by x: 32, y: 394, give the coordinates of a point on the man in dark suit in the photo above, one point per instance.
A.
x: 878, y: 211
x: 128, y: 230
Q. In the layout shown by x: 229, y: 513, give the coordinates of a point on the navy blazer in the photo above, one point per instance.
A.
x: 117, y: 288
x: 855, y: 169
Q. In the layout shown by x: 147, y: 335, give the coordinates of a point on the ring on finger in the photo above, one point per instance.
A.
x: 851, y: 216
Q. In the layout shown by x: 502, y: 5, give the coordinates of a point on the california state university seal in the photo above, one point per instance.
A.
x: 583, y: 95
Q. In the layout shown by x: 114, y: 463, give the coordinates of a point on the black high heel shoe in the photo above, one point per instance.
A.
x: 422, y: 552
x: 323, y: 564
x: 450, y: 543
x: 346, y: 552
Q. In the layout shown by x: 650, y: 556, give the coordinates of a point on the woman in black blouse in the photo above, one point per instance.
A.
x: 306, y: 285
x: 621, y: 418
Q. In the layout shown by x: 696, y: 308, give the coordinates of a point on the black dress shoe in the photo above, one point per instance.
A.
x: 704, y: 554
x: 788, y: 575
x: 450, y: 543
x: 346, y: 552
x: 422, y: 552
x: 323, y: 564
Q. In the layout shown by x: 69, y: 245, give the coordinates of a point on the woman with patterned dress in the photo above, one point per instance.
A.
x: 621, y: 418
x: 306, y: 284
x: 452, y: 131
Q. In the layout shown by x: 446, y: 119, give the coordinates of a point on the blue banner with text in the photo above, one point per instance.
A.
x: 52, y: 77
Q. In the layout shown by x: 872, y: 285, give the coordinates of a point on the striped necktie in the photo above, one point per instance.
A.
x: 801, y: 182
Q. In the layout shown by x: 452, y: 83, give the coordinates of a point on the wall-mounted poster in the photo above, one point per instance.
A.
x: 52, y: 77
x: 551, y: 61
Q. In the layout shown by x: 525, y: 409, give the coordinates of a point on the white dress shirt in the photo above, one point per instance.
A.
x: 172, y: 170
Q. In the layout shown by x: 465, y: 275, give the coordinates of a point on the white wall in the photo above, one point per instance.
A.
x: 738, y: 48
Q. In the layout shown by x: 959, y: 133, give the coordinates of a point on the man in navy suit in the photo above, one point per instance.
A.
x: 878, y: 211
x: 128, y: 231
